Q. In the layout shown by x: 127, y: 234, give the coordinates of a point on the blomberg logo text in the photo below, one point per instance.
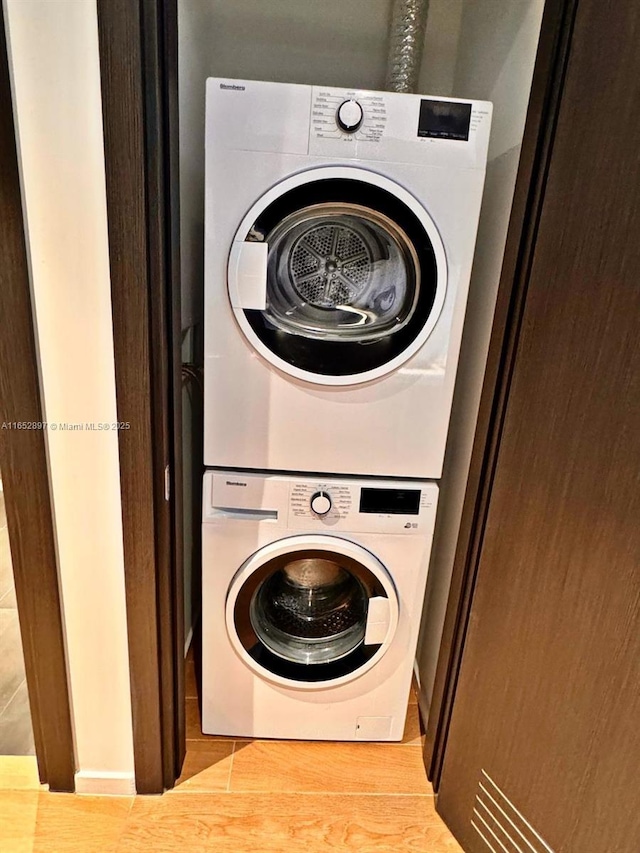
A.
x: 233, y: 87
x: 234, y: 483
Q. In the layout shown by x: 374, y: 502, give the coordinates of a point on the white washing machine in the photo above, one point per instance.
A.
x: 312, y: 593
x: 340, y: 229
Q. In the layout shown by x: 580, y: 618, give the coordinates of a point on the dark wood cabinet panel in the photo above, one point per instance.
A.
x: 544, y: 733
x: 546, y: 89
x: 25, y: 475
x: 138, y: 64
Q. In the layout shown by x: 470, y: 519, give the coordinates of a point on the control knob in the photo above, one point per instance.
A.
x: 320, y: 503
x: 349, y: 116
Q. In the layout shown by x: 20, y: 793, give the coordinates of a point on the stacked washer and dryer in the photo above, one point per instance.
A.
x: 339, y: 236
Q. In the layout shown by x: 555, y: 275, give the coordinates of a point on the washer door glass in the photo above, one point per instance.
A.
x: 355, y: 278
x: 310, y: 611
x: 302, y: 615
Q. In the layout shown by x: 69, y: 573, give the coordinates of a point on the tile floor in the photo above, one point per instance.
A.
x: 242, y: 797
x: 16, y: 735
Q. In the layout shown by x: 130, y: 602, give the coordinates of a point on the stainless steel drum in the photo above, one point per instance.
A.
x: 310, y: 611
x: 340, y: 270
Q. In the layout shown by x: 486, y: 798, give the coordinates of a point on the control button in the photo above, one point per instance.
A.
x: 320, y: 503
x: 349, y: 116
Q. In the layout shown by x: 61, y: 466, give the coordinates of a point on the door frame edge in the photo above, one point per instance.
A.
x: 25, y: 474
x: 139, y: 109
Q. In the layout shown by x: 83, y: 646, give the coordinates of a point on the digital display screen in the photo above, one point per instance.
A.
x: 444, y: 120
x: 392, y: 501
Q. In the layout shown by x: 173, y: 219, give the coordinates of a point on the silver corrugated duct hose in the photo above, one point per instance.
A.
x: 408, y: 25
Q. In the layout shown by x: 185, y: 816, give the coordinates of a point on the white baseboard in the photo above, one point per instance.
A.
x: 105, y: 783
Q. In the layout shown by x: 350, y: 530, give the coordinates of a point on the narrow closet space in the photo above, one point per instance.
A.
x: 318, y: 561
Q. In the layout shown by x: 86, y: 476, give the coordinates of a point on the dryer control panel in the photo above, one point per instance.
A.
x: 391, y: 126
x: 355, y: 124
x: 348, y: 115
x: 315, y: 504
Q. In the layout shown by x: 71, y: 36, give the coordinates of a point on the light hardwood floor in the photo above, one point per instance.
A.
x: 242, y: 797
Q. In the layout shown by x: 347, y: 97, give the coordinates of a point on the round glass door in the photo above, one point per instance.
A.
x: 354, y: 276
x: 310, y: 611
x: 341, y: 272
x: 300, y: 611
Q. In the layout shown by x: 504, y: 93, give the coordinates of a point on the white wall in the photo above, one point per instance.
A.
x: 56, y: 81
x: 437, y: 72
x: 496, y: 52
x: 494, y: 221
x: 495, y: 56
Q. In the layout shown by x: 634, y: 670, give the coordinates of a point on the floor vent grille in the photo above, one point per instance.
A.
x: 500, y: 825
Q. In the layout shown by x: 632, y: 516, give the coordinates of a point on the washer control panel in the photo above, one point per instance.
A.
x: 319, y: 500
x: 320, y: 505
x: 361, y: 505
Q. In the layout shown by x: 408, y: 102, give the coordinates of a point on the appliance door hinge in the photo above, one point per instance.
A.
x: 167, y: 483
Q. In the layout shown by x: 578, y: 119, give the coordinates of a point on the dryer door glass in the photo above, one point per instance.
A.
x: 303, y: 616
x: 340, y: 272
x: 351, y: 279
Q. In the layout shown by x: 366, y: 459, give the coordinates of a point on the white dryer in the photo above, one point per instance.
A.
x: 312, y: 593
x: 340, y: 229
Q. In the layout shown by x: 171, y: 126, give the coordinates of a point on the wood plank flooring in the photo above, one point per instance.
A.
x: 243, y: 797
x: 285, y: 823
